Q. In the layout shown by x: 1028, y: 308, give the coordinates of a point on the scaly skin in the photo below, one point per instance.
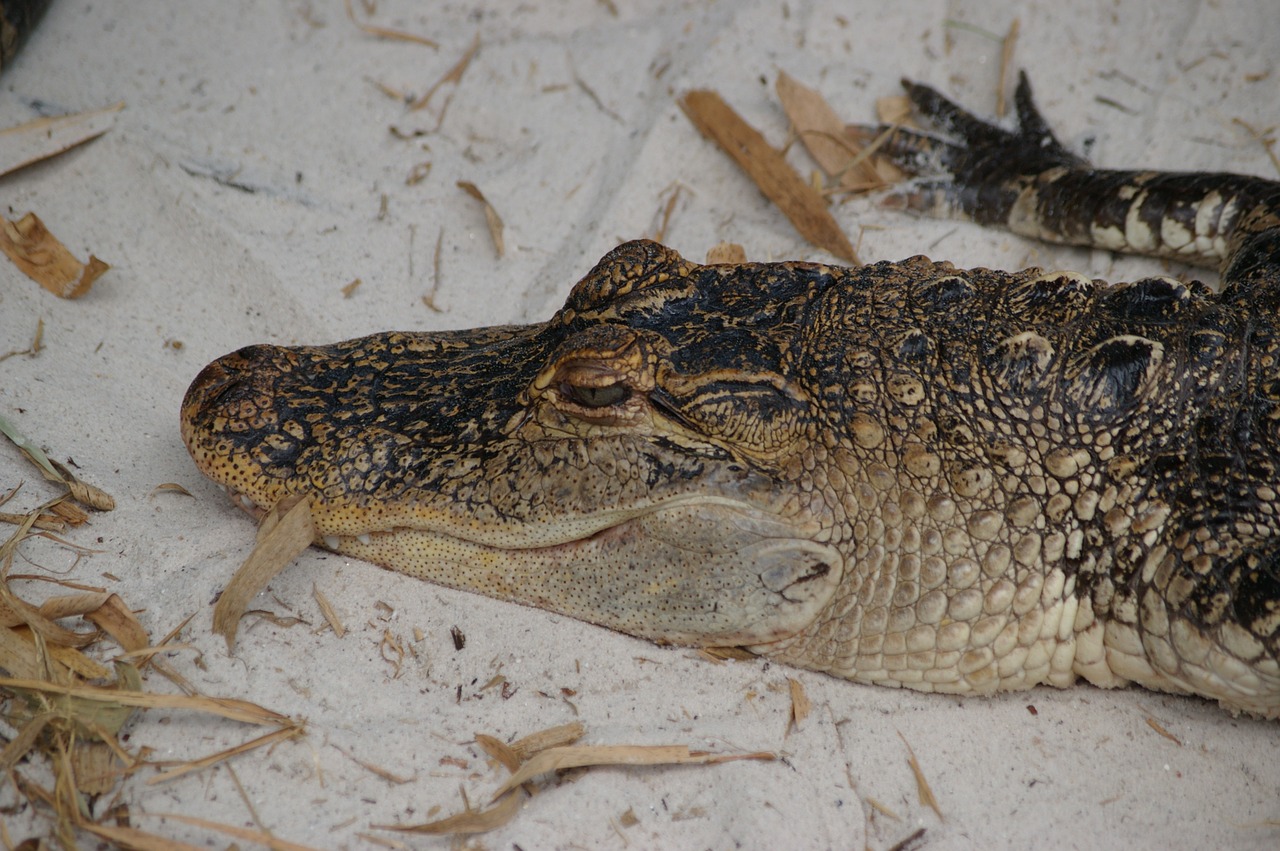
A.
x: 904, y: 473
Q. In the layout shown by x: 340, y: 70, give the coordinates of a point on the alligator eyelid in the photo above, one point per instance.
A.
x: 597, y: 397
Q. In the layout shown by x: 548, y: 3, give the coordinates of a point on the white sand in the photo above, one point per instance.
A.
x: 566, y: 120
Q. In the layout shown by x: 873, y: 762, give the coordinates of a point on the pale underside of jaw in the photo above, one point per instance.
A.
x: 694, y: 569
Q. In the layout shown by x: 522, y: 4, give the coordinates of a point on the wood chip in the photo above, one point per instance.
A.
x: 894, y: 109
x: 281, y: 539
x: 797, y: 200
x: 43, y: 138
x: 800, y: 703
x: 552, y: 737
x: 726, y: 252
x: 822, y: 133
x: 500, y: 751
x: 45, y: 260
x: 722, y: 654
x: 490, y: 215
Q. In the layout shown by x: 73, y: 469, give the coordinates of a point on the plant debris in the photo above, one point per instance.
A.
x: 70, y: 711
x: 42, y: 138
x: 801, y: 706
x: 451, y: 77
x: 1006, y: 60
x: 490, y: 215
x: 553, y: 750
x: 1159, y: 728
x: 385, y: 32
x: 329, y: 612
x: 82, y: 492
x: 799, y: 202
x: 923, y: 790
x: 45, y: 260
x: 823, y: 135
x: 285, y: 532
x: 727, y: 252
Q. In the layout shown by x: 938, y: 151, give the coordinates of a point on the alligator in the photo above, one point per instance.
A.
x: 909, y: 474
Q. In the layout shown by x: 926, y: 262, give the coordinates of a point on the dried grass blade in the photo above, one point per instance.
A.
x: 116, y: 619
x: 799, y: 201
x: 385, y: 774
x: 1006, y: 60
x: 12, y: 606
x: 282, y: 539
x: 923, y: 790
x: 28, y: 448
x: 327, y: 610
x: 24, y: 741
x: 138, y: 840
x: 453, y: 75
x: 490, y: 215
x: 20, y: 658
x: 83, y: 492
x: 245, y: 833
x: 385, y: 32
x: 72, y: 605
x: 579, y: 756
x: 224, y: 755
x: 469, y: 822
x: 53, y: 471
x: 224, y: 707
x: 43, y: 138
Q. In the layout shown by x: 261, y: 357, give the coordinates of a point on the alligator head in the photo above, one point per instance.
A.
x: 642, y: 461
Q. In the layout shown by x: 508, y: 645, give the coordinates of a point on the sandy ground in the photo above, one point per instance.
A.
x: 259, y: 167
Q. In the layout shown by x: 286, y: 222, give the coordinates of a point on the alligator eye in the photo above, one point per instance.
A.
x: 596, y: 397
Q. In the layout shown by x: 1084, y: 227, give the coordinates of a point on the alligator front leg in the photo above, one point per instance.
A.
x: 1026, y: 181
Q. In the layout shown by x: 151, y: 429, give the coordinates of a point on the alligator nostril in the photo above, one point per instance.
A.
x: 209, y: 388
x: 235, y: 387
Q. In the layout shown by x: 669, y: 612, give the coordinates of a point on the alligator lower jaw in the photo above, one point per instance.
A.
x: 701, y: 575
